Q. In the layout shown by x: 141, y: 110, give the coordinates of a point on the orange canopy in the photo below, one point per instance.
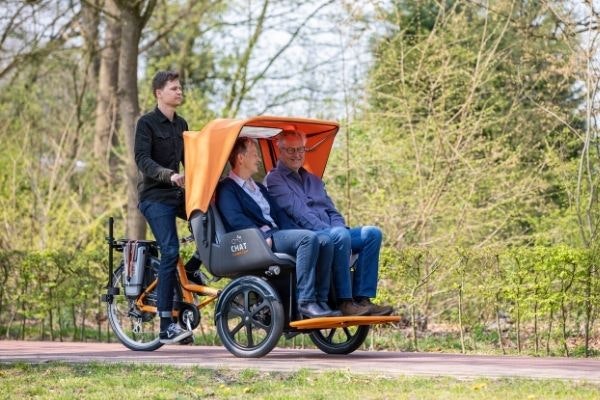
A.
x: 207, y: 151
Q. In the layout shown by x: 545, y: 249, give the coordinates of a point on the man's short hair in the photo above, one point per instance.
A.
x: 161, y: 78
x: 285, y: 134
x: 239, y: 147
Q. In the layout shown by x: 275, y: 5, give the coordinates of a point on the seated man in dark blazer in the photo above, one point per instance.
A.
x: 244, y: 203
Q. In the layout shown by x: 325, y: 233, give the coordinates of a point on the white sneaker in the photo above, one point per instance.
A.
x: 173, y: 334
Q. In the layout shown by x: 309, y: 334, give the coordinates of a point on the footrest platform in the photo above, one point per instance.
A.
x: 340, y: 322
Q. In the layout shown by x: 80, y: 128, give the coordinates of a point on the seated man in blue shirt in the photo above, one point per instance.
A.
x: 302, y: 195
x: 244, y: 203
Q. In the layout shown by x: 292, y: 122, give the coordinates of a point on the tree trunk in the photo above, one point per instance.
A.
x: 588, y: 307
x: 60, y: 323
x: 460, y: 317
x: 565, y: 336
x: 106, y: 97
x: 5, y: 274
x: 74, y: 317
x: 42, y: 329
x: 51, y: 315
x: 187, y: 46
x: 413, y: 321
x: 90, y: 20
x: 518, y: 307
x: 84, y: 311
x: 535, y: 327
x: 498, y: 328
x: 133, y: 18
x: 550, y: 319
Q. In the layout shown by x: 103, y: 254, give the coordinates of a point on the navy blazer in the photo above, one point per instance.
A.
x: 240, y: 211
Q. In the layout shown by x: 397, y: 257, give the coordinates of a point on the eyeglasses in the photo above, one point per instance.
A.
x: 294, y: 150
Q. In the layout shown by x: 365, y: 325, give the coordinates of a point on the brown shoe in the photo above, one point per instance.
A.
x: 349, y: 307
x: 375, y: 309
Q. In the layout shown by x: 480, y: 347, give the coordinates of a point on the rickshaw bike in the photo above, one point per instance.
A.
x: 258, y: 305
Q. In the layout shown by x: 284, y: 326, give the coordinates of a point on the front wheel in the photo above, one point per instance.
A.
x: 340, y: 340
x: 249, y: 317
x: 137, y: 330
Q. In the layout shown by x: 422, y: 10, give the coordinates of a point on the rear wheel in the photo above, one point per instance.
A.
x: 137, y: 330
x: 340, y: 340
x: 249, y: 317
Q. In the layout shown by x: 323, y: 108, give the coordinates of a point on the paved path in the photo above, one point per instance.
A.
x: 369, y: 362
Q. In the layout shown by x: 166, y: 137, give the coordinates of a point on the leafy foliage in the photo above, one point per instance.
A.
x: 460, y: 143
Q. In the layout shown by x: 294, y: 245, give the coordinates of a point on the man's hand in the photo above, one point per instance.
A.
x: 269, y: 242
x: 178, y: 179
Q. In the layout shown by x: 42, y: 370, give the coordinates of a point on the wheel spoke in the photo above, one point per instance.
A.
x: 236, y: 302
x: 237, y: 311
x: 237, y: 328
x: 258, y: 307
x: 348, y: 333
x: 331, y: 335
x: 249, y: 335
x: 246, y: 304
x: 259, y: 324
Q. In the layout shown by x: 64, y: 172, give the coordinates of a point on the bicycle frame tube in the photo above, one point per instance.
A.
x: 187, y: 292
x: 188, y: 288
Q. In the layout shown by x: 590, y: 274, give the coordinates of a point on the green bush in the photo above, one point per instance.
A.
x: 537, y: 300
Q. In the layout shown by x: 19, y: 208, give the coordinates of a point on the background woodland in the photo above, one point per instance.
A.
x: 469, y: 134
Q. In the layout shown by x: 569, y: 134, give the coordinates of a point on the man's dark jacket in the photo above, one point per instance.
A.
x: 240, y: 211
x: 158, y: 153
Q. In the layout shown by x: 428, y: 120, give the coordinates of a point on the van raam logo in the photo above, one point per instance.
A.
x: 238, y: 246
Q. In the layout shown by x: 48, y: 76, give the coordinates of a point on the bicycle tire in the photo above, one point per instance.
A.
x: 135, y: 330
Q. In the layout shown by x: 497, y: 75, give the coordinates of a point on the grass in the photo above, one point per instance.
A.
x: 131, y: 381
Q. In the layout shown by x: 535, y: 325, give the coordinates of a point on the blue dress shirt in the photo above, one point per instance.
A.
x: 304, y: 198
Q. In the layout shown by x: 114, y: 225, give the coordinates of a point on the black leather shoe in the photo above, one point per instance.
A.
x: 332, y: 313
x: 312, y: 310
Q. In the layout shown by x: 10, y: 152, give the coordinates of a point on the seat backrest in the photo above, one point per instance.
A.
x: 229, y: 254
x: 218, y: 224
x: 219, y: 232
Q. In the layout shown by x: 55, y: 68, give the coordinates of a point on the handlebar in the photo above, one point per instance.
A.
x: 119, y: 244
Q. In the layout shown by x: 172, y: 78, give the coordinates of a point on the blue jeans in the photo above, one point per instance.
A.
x: 304, y: 245
x: 323, y: 280
x: 340, y: 238
x: 161, y: 218
x: 365, y: 240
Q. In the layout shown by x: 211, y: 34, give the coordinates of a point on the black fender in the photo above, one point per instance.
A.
x: 249, y: 280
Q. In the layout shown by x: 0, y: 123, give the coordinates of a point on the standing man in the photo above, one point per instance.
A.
x: 158, y: 154
x: 302, y: 195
